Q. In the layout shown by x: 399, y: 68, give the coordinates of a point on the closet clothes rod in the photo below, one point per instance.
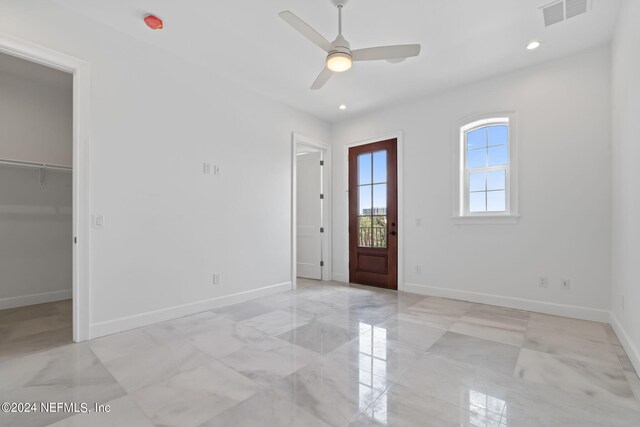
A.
x: 34, y: 165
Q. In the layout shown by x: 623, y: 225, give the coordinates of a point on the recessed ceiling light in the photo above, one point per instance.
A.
x: 534, y: 45
x: 343, y: 107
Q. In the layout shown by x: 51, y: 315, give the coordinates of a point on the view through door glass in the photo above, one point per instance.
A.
x: 373, y: 214
x: 372, y: 189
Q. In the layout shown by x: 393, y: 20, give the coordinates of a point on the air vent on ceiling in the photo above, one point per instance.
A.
x: 558, y: 11
x: 553, y: 13
x: 576, y: 7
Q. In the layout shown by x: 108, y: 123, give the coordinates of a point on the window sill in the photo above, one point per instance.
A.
x: 489, y: 219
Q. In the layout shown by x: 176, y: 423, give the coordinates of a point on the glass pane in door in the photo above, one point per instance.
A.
x: 364, y: 231
x: 364, y: 200
x: 379, y: 231
x: 379, y: 167
x: 372, y: 199
x: 379, y: 212
x: 364, y: 169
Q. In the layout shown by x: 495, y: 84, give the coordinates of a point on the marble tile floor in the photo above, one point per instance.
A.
x: 328, y: 354
x: 25, y: 330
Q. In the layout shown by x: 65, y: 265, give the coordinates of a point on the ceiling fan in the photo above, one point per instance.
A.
x: 340, y: 57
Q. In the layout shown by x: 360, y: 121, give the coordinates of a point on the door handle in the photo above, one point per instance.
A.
x: 393, y: 233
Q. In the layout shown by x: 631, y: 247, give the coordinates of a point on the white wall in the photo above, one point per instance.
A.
x: 35, y: 247
x: 35, y: 113
x: 563, y: 112
x: 626, y: 179
x: 169, y: 227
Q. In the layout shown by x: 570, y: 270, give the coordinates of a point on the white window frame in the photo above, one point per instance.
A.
x: 461, y: 212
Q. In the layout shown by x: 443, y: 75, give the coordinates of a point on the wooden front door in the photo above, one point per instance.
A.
x: 373, y: 214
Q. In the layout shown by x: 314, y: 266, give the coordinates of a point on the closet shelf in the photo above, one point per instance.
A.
x: 34, y: 165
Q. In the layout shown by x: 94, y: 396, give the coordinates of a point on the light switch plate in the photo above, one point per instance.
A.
x: 98, y: 222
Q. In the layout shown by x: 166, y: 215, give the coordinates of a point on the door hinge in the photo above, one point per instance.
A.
x: 75, y: 240
x: 321, y: 263
x: 322, y: 229
x: 321, y: 162
x: 322, y: 196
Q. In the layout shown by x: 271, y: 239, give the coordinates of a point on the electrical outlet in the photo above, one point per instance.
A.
x: 216, y: 278
x: 216, y: 170
x: 418, y: 269
x: 206, y: 168
x: 565, y: 284
x: 543, y: 282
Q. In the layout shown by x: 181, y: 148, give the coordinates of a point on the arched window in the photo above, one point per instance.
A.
x: 486, y: 164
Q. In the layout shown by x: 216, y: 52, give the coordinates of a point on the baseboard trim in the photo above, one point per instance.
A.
x: 627, y: 343
x: 338, y: 277
x: 576, y: 312
x: 121, y: 324
x: 24, y: 300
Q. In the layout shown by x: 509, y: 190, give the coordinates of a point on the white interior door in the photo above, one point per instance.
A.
x: 309, y: 215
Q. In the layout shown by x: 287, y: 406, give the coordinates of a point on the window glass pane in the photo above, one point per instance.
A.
x: 380, y: 199
x: 364, y: 168
x: 364, y: 231
x: 477, y: 181
x: 477, y: 138
x: 379, y: 231
x: 364, y: 200
x: 496, y: 201
x: 496, y: 180
x: 477, y: 202
x: 487, y: 148
x: 498, y: 156
x: 476, y: 158
x: 498, y: 135
x: 380, y: 166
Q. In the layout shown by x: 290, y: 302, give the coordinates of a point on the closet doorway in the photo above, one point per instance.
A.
x: 36, y: 207
x: 311, y: 219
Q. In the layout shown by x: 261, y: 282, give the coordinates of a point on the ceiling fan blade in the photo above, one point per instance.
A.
x: 306, y: 30
x: 322, y: 78
x: 386, y: 52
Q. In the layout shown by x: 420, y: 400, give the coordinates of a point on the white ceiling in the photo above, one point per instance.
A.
x: 462, y: 41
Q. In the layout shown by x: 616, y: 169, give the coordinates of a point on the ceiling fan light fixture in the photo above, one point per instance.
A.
x: 339, y: 62
x: 340, y: 57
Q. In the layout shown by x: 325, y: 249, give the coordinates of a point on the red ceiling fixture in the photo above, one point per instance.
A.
x: 153, y: 22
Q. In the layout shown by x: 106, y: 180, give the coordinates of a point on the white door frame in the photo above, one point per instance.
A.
x: 298, y: 140
x: 81, y: 201
x: 398, y: 135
